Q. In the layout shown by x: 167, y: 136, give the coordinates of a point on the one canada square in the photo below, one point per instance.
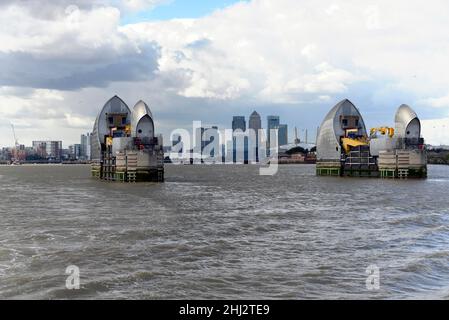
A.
x: 255, y: 123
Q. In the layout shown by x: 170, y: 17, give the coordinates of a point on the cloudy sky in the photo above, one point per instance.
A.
x: 60, y: 60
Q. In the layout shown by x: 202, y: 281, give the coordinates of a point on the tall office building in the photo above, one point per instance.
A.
x: 89, y: 147
x: 238, y: 122
x: 255, y: 123
x: 283, y: 135
x: 84, y: 153
x: 74, y: 152
x: 272, y: 123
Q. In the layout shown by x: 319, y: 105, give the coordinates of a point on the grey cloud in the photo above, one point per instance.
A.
x: 199, y: 44
x: 22, y: 69
x: 51, y: 9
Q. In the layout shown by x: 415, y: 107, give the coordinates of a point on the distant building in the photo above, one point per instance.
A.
x: 199, y: 143
x: 240, y: 152
x: 19, y: 153
x: 203, y: 141
x: 85, y: 149
x: 66, y: 154
x: 75, y: 152
x: 89, y: 147
x: 272, y: 123
x: 30, y: 154
x: 5, y: 154
x: 283, y: 135
x: 238, y: 123
x: 255, y: 123
x: 48, y: 150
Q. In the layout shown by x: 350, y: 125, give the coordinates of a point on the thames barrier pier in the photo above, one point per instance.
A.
x: 344, y: 147
x: 124, y: 146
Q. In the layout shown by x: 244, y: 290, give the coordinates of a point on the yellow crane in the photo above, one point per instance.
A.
x: 383, y: 131
x: 15, y: 153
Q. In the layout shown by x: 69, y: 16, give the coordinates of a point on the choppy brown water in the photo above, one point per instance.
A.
x: 222, y: 232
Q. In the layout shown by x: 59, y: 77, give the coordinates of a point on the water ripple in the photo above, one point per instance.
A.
x: 222, y: 232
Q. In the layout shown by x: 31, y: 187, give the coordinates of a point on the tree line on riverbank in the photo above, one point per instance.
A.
x: 438, y: 156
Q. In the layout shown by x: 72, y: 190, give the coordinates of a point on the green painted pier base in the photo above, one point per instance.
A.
x: 335, y: 172
x: 131, y: 176
x: 384, y: 173
x: 403, y: 173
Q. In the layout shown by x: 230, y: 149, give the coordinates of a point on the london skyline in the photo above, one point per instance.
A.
x: 289, y: 58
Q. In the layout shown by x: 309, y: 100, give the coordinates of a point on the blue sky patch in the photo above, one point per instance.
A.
x: 177, y: 9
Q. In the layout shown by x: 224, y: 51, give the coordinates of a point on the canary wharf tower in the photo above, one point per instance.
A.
x: 255, y: 123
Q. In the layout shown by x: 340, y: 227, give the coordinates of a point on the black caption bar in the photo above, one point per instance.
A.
x: 191, y: 310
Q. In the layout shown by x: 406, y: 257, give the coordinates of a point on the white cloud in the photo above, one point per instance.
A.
x: 268, y: 60
x: 310, y: 51
x: 436, y: 131
x: 372, y: 18
x: 328, y: 79
x: 38, y: 114
x: 332, y: 9
x: 440, y: 102
x: 78, y: 121
x: 262, y: 52
x: 137, y: 5
x: 270, y: 50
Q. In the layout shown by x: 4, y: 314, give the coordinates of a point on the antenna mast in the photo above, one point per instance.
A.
x: 297, y: 140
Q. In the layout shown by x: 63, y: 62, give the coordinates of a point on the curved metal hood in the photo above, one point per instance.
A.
x: 407, y: 124
x: 139, y: 113
x: 330, y: 131
x: 115, y: 104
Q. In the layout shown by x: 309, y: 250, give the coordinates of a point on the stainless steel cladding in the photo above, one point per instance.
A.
x: 333, y: 128
x: 101, y: 129
x: 142, y: 123
x: 121, y: 144
x: 344, y: 149
x: 407, y: 124
x: 125, y: 147
x: 382, y: 143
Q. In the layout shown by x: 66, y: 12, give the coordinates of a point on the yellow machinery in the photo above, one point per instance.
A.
x: 383, y: 131
x: 109, y: 141
x: 350, y: 140
x: 348, y: 143
x: 128, y: 130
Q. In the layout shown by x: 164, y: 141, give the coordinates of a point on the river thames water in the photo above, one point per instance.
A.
x: 222, y: 232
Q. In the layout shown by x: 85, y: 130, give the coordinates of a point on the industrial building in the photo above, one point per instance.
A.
x: 124, y: 146
x: 344, y: 147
